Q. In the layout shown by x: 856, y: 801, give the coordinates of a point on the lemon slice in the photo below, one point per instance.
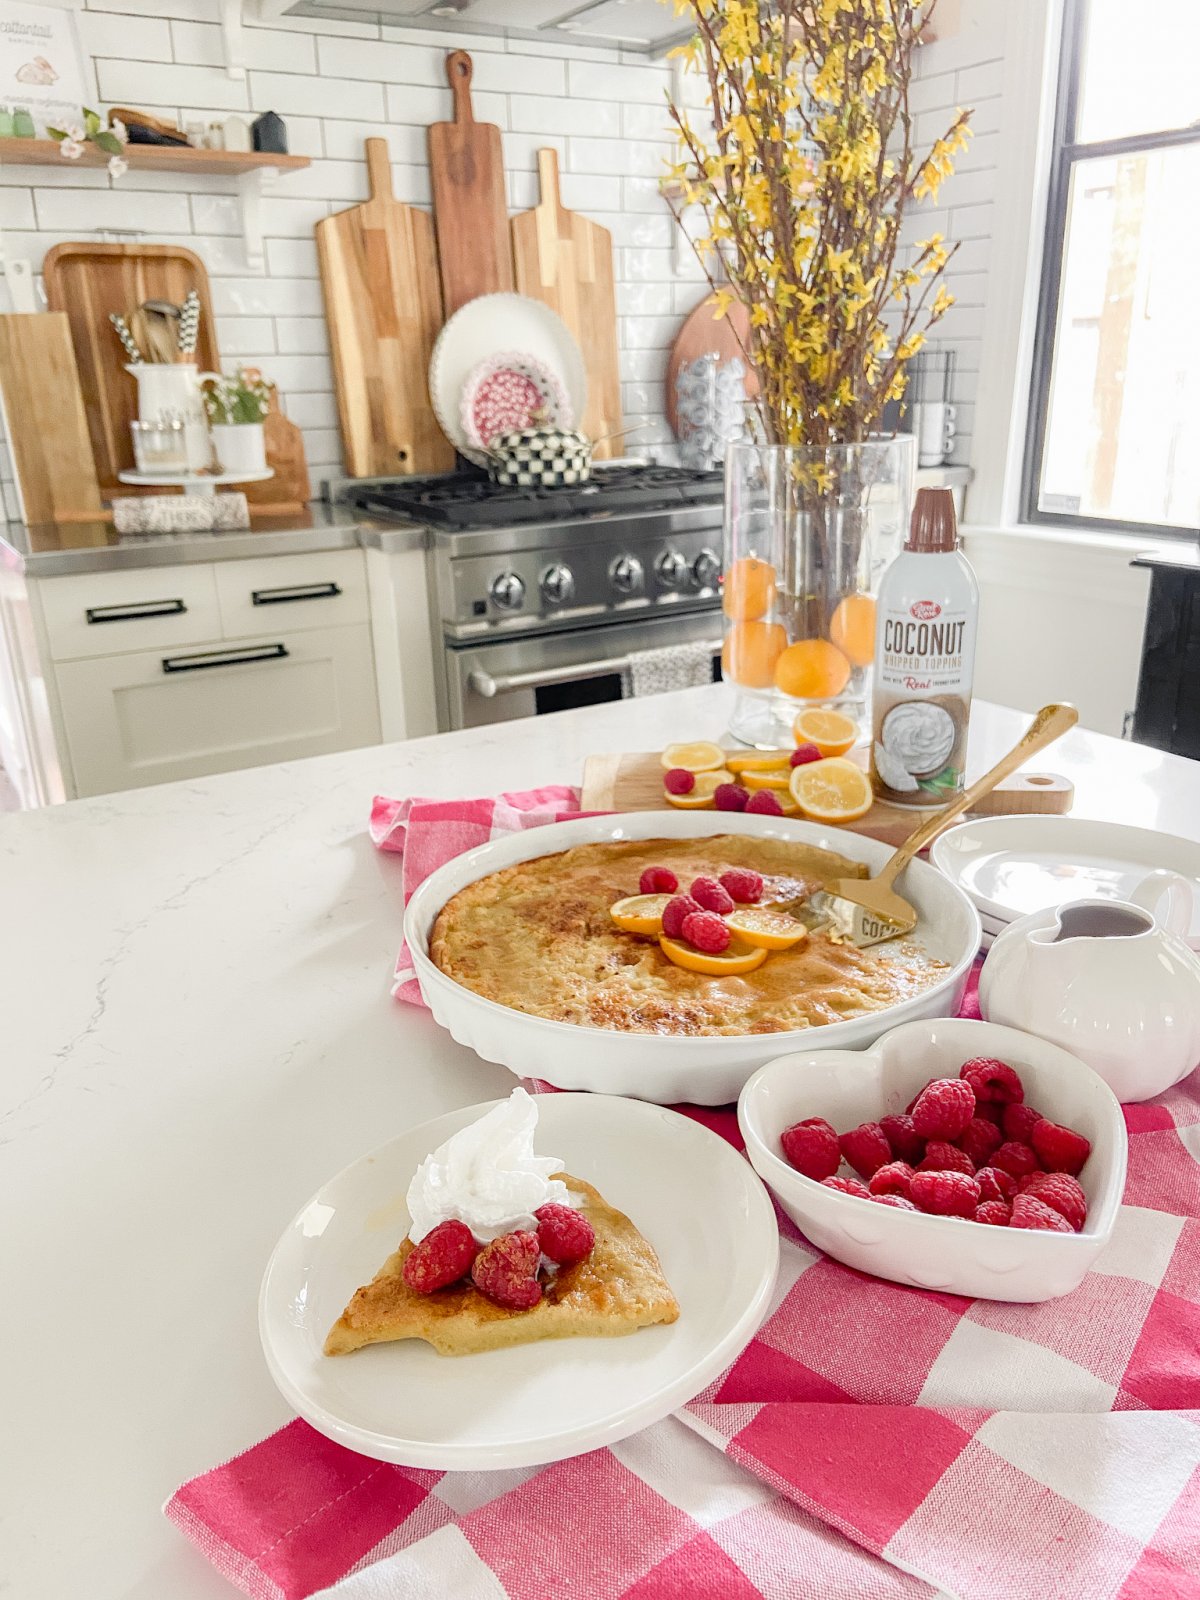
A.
x: 834, y: 790
x: 701, y: 755
x: 701, y: 797
x: 758, y: 760
x: 639, y: 913
x: 773, y: 778
x: 831, y: 732
x: 730, y: 963
x: 766, y: 930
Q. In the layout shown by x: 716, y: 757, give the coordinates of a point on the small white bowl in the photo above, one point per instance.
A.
x: 969, y: 1258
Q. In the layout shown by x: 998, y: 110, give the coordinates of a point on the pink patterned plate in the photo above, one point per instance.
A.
x: 509, y: 392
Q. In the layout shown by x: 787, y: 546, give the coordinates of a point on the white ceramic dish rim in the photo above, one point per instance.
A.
x: 622, y: 1423
x: 431, y: 895
x: 539, y: 372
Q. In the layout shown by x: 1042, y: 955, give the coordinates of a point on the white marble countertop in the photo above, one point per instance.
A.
x: 197, y: 1032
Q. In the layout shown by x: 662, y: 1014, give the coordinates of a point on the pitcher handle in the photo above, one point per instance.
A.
x: 1172, y: 899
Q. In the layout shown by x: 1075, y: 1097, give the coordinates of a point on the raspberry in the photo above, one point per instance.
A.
x: 679, y: 781
x: 866, y: 1148
x: 812, y: 1148
x: 945, y: 1194
x: 997, y: 1212
x: 1059, y: 1191
x: 803, y: 754
x: 980, y: 1139
x: 896, y: 1200
x: 1018, y: 1122
x: 907, y: 1144
x: 1060, y: 1149
x: 707, y: 892
x: 992, y: 1080
x: 706, y: 931
x: 991, y: 1111
x: 565, y: 1235
x: 764, y: 804
x: 730, y: 797
x: 674, y: 913
x: 1030, y: 1212
x: 506, y: 1270
x: 941, y: 1156
x: 847, y: 1186
x: 745, y: 886
x: 443, y: 1256
x: 943, y: 1108
x: 996, y: 1184
x: 658, y: 880
x: 1015, y: 1158
x: 893, y: 1177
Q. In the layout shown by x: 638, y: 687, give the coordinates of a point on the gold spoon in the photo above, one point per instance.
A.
x: 868, y: 910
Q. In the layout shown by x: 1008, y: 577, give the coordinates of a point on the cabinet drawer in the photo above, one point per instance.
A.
x: 326, y: 589
x: 111, y: 613
x: 156, y: 716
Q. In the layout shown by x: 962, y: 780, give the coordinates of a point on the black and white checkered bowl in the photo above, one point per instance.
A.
x: 540, y: 458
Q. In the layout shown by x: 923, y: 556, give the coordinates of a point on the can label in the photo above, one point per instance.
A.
x: 922, y: 702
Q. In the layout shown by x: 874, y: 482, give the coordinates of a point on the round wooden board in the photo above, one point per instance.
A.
x: 703, y: 334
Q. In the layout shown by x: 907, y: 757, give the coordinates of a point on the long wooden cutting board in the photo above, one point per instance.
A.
x: 466, y: 169
x: 380, y: 277
x: 44, y: 419
x: 566, y: 261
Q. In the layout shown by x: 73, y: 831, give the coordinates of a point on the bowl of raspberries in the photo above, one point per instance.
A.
x: 951, y: 1155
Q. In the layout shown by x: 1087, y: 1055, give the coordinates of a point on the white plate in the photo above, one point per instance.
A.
x: 1011, y: 866
x: 706, y: 1071
x: 491, y: 325
x: 539, y: 1402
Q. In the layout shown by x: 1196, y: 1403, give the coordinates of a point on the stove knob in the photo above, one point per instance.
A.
x: 558, y: 584
x: 626, y: 574
x: 706, y: 569
x: 671, y: 570
x: 507, y: 591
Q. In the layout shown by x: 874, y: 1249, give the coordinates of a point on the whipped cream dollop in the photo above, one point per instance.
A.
x: 487, y: 1176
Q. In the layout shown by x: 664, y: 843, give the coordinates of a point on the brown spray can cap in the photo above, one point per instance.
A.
x: 934, y: 526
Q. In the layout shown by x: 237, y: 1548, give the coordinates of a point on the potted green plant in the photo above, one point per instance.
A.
x: 236, y: 404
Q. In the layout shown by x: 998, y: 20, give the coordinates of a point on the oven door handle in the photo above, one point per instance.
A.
x: 488, y: 687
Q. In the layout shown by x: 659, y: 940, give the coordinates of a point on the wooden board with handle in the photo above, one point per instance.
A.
x: 88, y: 281
x: 289, y: 491
x: 384, y: 307
x: 466, y: 170
x: 44, y: 419
x: 566, y: 262
x: 704, y: 333
x: 635, y: 783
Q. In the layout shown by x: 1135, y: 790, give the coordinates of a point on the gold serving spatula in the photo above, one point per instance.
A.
x: 868, y: 910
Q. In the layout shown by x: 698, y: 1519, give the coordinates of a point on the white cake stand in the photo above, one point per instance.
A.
x: 201, y: 483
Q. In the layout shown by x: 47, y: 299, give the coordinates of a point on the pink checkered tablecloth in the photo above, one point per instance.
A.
x: 872, y: 1441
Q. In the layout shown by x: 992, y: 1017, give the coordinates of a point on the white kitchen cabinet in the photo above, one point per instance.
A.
x: 324, y: 589
x: 108, y: 613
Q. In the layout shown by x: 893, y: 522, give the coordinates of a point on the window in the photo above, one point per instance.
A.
x: 1114, y: 434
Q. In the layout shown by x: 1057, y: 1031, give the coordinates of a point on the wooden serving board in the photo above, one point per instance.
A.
x: 44, y: 419
x: 380, y: 276
x: 466, y: 170
x: 566, y: 262
x: 290, y: 490
x: 704, y: 333
x: 635, y: 783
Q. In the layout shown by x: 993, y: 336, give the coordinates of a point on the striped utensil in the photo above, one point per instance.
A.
x: 189, y: 323
x: 126, y: 338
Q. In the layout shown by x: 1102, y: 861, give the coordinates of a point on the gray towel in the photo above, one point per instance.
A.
x: 674, y: 666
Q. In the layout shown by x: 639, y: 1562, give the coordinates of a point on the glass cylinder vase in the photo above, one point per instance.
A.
x: 808, y: 533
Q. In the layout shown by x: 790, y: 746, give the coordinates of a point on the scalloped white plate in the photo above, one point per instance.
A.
x: 969, y: 1258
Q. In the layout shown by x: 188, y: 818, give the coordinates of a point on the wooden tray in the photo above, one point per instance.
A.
x: 635, y: 783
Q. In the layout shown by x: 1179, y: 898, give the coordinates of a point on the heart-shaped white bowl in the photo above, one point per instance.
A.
x: 970, y: 1258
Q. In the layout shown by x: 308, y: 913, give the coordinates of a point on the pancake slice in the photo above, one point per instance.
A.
x: 617, y: 1289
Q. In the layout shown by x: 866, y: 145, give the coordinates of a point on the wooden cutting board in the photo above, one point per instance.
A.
x: 380, y: 276
x: 87, y: 281
x: 466, y: 169
x: 635, y: 783
x: 566, y: 262
x: 704, y: 333
x: 44, y: 419
x: 289, y: 491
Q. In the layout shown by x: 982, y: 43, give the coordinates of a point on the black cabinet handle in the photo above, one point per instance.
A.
x: 224, y: 658
x: 136, y: 611
x: 296, y: 591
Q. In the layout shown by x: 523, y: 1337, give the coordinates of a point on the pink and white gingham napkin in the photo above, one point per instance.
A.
x: 871, y: 1443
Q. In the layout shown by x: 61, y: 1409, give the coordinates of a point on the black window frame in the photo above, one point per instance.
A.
x: 1068, y: 151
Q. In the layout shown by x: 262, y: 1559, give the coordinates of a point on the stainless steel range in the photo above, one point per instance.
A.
x: 541, y: 597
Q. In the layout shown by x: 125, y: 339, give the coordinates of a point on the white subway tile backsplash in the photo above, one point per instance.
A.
x: 414, y: 103
x: 535, y: 113
x: 189, y: 10
x: 16, y: 209
x: 287, y: 91
x: 87, y: 210
x: 647, y: 158
x: 381, y: 62
x: 344, y: 141
x: 131, y: 38
x: 216, y: 213
x: 302, y: 335
x: 295, y: 219
x: 267, y: 297
x: 143, y: 83
x: 240, y: 336
x: 648, y: 83
x: 296, y: 374
x: 647, y: 122
x: 292, y: 258
x: 271, y: 48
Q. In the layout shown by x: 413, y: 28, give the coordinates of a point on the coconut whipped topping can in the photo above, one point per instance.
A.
x: 927, y: 617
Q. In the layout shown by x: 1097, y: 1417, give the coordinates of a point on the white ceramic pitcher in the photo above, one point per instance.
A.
x: 172, y: 389
x: 1114, y: 982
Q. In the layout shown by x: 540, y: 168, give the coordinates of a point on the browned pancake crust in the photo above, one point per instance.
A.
x: 619, y: 1288
x: 537, y: 937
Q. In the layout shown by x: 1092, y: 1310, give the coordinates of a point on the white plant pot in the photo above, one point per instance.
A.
x: 240, y: 446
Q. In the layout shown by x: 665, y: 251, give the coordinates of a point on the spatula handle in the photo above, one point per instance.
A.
x: 1051, y: 723
x: 460, y: 69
